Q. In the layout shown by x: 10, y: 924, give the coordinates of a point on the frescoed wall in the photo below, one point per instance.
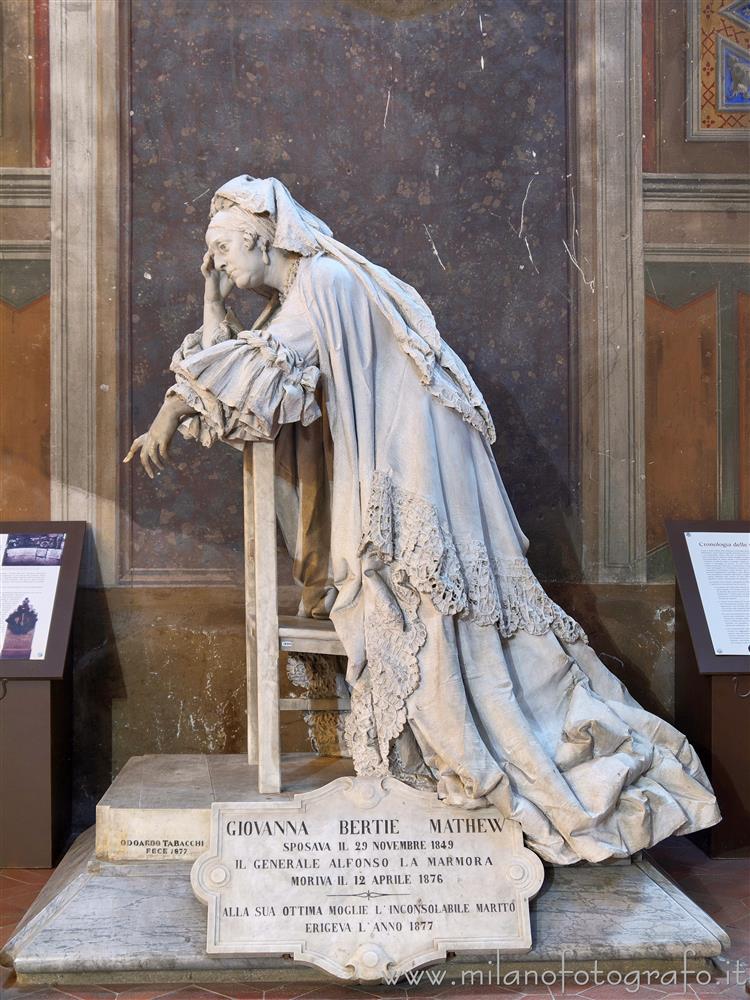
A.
x: 696, y: 225
x: 696, y: 455
x: 24, y: 401
x: 24, y: 260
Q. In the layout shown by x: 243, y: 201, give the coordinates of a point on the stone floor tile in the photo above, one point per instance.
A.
x: 12, y: 991
x: 731, y: 911
x: 152, y: 991
x: 88, y: 992
x: 717, y: 883
x: 720, y: 988
x: 396, y: 992
x: 478, y: 993
x: 732, y: 992
x: 540, y: 990
x: 738, y: 928
x: 471, y: 993
x: 287, y: 991
x: 740, y: 946
x: 23, y: 896
x: 422, y: 989
x: 680, y: 849
x: 611, y: 992
x: 314, y: 991
x: 189, y: 991
x: 181, y: 991
x: 279, y: 990
x: 6, y: 931
x: 37, y: 992
x: 11, y: 913
x: 742, y: 921
x: 266, y: 987
x: 9, y: 889
x: 234, y: 991
x: 378, y: 991
x: 8, y: 882
x: 144, y: 991
x: 28, y: 876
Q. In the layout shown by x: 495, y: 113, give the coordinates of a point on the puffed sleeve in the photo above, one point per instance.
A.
x: 244, y: 387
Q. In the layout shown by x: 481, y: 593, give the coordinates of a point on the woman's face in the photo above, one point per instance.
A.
x: 230, y: 254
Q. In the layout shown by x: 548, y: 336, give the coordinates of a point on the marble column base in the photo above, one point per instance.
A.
x: 138, y: 921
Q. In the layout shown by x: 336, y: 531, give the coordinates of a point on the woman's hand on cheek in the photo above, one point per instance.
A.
x: 218, y: 283
x: 212, y: 291
x: 207, y: 265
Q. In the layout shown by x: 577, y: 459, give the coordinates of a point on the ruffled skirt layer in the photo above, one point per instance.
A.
x: 547, y: 734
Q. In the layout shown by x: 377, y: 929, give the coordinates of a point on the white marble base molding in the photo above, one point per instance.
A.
x: 158, y: 808
x: 140, y: 921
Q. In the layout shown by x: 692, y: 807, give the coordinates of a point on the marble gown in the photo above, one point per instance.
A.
x: 462, y: 669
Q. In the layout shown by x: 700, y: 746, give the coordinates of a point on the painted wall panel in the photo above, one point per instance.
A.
x: 681, y: 416
x: 24, y: 410
x: 743, y: 422
x: 16, y: 84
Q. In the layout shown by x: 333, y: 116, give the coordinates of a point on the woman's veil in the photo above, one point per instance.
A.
x: 441, y: 370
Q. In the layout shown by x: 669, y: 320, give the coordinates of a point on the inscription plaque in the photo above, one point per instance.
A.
x: 365, y: 877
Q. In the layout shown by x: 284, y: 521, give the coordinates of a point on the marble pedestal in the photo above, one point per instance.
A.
x: 110, y: 913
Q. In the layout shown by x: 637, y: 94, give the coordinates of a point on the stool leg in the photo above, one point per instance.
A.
x: 251, y: 653
x: 267, y: 618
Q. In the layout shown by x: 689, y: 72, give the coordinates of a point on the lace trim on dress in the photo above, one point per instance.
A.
x: 393, y: 635
x: 242, y: 387
x: 405, y: 529
x: 471, y: 404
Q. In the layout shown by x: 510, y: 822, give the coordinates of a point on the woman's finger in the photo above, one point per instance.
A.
x: 153, y: 456
x: 207, y: 265
x: 138, y: 443
x: 146, y: 464
x: 163, y: 450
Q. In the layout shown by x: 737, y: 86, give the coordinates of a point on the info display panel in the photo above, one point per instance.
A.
x: 712, y: 565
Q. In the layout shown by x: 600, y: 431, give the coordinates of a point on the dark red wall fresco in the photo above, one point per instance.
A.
x: 417, y: 130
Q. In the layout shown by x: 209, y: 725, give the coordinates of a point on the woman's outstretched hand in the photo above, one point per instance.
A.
x: 154, y: 444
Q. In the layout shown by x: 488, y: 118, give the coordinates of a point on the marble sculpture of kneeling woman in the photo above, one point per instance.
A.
x: 464, y: 674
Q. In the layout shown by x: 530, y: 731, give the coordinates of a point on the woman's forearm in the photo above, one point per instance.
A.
x: 214, y: 313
